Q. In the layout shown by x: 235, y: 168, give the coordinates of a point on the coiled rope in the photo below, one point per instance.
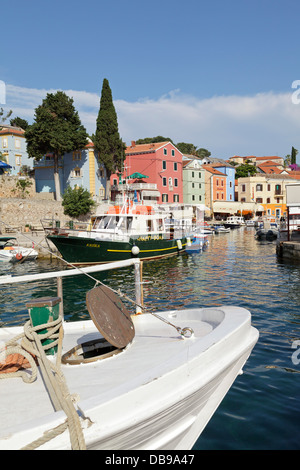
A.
x: 31, y: 345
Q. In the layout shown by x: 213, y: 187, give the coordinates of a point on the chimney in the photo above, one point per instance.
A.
x: 133, y: 143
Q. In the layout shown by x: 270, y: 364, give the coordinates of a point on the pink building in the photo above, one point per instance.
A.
x: 161, y: 163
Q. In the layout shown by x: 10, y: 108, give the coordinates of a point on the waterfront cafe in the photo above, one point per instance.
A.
x: 248, y: 210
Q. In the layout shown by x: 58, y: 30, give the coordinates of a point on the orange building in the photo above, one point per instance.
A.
x: 215, y: 185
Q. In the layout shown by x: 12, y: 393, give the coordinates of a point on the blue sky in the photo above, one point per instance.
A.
x: 214, y: 73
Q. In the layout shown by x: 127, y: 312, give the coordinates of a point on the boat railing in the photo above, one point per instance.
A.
x: 136, y: 262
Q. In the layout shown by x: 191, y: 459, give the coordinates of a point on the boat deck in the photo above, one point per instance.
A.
x: 156, y: 351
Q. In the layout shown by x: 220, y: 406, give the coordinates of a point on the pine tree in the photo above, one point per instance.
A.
x: 107, y: 141
x: 57, y: 129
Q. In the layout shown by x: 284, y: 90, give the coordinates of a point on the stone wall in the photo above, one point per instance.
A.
x: 288, y: 250
x: 8, y: 188
x: 16, y: 211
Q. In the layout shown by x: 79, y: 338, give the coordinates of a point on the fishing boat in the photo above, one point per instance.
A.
x: 121, y: 380
x: 10, y: 251
x: 121, y: 232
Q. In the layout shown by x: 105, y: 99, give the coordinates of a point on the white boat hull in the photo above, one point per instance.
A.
x: 18, y: 254
x: 158, y: 394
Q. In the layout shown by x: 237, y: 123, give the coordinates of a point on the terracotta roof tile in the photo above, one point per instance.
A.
x: 145, y: 148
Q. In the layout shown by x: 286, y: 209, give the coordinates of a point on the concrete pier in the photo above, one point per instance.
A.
x: 289, y: 250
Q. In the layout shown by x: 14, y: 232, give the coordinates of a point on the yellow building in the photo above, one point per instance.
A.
x: 267, y: 190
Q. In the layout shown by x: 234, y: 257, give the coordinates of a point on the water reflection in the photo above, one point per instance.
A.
x: 262, y: 409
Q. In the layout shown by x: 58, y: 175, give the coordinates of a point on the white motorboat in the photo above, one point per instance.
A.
x: 10, y: 251
x: 221, y: 229
x: 234, y: 221
x: 157, y: 384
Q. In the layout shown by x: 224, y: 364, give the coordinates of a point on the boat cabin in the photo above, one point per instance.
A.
x: 134, y: 222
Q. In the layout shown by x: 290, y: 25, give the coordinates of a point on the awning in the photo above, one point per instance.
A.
x: 136, y: 175
x: 4, y: 165
x: 228, y: 207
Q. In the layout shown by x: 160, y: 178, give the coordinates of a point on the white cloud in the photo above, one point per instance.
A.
x: 263, y: 124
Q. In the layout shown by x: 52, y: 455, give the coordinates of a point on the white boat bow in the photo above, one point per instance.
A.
x: 158, y: 392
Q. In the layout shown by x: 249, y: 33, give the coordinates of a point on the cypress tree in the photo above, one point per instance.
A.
x: 107, y: 141
x: 293, y: 156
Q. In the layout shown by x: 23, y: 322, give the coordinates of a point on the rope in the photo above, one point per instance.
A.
x: 55, y: 383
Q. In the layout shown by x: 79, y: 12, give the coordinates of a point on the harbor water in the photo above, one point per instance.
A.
x: 262, y: 409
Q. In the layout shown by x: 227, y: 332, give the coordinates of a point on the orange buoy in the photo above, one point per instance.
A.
x: 19, y: 256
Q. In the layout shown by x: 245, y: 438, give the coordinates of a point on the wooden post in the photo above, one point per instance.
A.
x: 138, y: 287
x: 60, y: 294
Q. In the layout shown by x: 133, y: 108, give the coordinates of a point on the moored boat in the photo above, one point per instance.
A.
x: 155, y: 386
x: 221, y: 229
x: 122, y: 232
x: 196, y: 243
x: 267, y: 231
x: 234, y: 221
x: 10, y: 251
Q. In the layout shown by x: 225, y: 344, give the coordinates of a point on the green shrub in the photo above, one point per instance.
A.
x: 77, y: 201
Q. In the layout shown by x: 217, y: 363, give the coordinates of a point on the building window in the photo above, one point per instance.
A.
x: 200, y: 198
x: 165, y: 152
x: 259, y: 187
x: 18, y: 160
x: 269, y: 187
x: 164, y: 165
x: 77, y: 155
x: 5, y: 157
x: 170, y: 181
x: 173, y: 155
x: 243, y: 188
x: 76, y: 173
x: 193, y: 198
x: 5, y: 143
x: 175, y: 166
x: 164, y: 181
x: 268, y: 200
x: 278, y: 189
x: 175, y: 197
x: 199, y: 185
x: 164, y: 198
x: 175, y: 182
x: 259, y: 200
x: 193, y: 174
x: 17, y: 144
